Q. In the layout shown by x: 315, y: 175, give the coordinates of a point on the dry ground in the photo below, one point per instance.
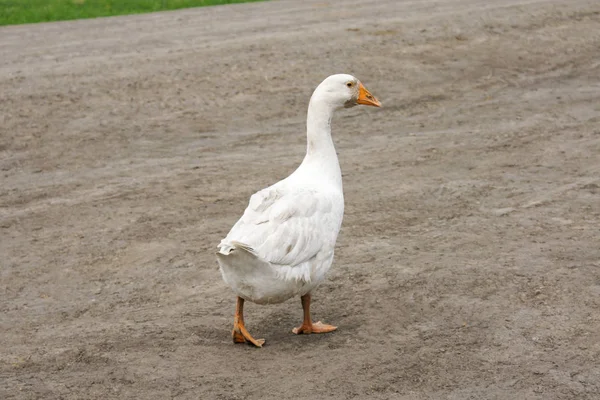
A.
x: 468, y: 265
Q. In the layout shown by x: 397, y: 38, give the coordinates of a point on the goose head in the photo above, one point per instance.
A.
x: 344, y: 91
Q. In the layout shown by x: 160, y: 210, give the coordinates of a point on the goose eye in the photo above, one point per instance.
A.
x: 350, y: 84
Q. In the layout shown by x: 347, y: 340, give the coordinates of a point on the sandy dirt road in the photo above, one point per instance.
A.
x: 468, y: 265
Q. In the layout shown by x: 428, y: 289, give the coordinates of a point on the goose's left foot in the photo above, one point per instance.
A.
x: 239, y: 333
x: 308, y: 326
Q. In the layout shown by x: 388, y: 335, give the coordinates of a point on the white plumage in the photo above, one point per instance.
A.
x: 283, y: 245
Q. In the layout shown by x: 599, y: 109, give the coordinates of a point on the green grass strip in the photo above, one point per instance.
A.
x: 29, y: 11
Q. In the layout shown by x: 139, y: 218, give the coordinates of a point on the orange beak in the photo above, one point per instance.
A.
x: 366, y: 98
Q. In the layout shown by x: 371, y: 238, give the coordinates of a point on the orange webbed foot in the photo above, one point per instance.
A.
x: 317, y: 327
x: 241, y: 335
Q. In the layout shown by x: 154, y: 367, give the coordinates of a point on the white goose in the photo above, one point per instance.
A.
x: 283, y: 245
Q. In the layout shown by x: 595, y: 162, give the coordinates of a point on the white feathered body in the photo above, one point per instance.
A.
x: 284, y: 243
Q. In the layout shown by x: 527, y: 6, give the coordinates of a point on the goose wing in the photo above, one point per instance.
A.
x: 285, y: 227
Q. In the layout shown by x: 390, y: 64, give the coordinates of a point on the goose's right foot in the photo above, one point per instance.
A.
x: 308, y: 326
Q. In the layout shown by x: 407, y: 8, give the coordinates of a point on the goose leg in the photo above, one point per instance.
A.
x: 308, y: 326
x: 239, y: 333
